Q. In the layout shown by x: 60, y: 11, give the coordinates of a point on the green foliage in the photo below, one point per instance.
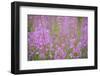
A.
x: 84, y: 53
x: 29, y: 27
x: 55, y: 29
x: 68, y: 53
x: 36, y: 57
x: 80, y: 19
x: 49, y: 54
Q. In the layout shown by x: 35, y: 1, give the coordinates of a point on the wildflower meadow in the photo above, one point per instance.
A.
x: 57, y: 37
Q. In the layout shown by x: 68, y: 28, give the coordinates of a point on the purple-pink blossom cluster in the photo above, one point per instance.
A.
x: 57, y: 37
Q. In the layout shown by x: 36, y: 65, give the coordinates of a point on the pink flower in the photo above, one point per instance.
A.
x: 59, y: 53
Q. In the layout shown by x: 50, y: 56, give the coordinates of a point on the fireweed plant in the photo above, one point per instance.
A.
x: 57, y: 37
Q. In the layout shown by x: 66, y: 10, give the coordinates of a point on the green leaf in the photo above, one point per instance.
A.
x: 84, y: 53
x: 36, y: 57
x: 30, y: 27
x: 55, y: 29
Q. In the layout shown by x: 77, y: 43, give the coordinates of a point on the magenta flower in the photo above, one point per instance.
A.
x: 41, y: 37
x: 75, y: 53
x: 59, y: 53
